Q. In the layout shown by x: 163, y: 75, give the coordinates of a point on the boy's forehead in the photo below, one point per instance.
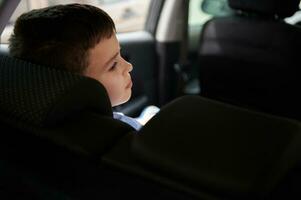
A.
x: 108, y: 47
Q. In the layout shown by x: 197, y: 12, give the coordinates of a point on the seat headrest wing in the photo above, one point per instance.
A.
x: 43, y: 96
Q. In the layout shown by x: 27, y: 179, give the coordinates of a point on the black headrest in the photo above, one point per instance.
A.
x: 42, y: 96
x: 281, y: 8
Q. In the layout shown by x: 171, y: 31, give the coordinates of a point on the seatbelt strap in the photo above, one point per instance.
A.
x: 183, y: 63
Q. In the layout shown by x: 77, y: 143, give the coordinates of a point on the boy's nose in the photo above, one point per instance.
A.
x: 130, y: 66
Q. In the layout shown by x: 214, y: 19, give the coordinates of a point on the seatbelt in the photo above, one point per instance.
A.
x: 183, y: 63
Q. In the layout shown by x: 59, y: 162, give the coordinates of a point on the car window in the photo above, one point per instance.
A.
x: 196, y: 15
x: 200, y: 11
x: 128, y: 15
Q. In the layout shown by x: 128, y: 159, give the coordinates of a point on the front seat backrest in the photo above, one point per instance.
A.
x: 204, y: 146
x: 248, y: 59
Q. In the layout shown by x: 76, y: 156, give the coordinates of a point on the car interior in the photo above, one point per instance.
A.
x: 229, y: 125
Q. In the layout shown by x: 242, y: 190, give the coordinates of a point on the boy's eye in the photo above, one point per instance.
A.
x: 113, y: 66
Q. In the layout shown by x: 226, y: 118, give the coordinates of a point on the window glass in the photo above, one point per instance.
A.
x: 128, y: 15
x: 201, y: 11
x: 196, y: 15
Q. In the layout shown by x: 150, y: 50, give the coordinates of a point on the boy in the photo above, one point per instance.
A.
x: 80, y: 39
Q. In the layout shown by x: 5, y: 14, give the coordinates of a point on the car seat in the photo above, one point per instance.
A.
x: 58, y: 140
x: 53, y: 124
x: 55, y: 128
x: 250, y: 59
x: 213, y: 150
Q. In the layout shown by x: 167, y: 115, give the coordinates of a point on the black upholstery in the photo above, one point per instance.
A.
x: 266, y: 7
x: 58, y: 140
x: 41, y: 99
x: 250, y: 59
x: 55, y: 128
x: 26, y: 94
x: 213, y: 150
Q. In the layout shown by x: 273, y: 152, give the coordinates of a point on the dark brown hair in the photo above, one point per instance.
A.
x: 60, y: 36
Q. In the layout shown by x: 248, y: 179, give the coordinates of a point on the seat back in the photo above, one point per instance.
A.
x: 58, y: 140
x: 57, y: 104
x: 53, y: 126
x: 214, y: 150
x: 249, y: 59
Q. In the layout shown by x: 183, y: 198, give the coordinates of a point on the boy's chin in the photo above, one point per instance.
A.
x: 121, y: 101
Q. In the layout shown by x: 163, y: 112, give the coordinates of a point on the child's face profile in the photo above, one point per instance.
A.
x: 108, y: 67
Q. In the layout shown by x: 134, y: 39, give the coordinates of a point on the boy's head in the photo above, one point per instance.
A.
x: 77, y: 38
